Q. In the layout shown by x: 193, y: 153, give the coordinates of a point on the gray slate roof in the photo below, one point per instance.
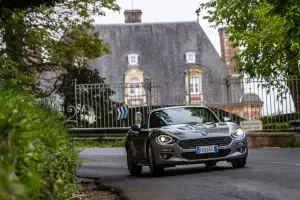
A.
x: 251, y: 98
x: 162, y: 48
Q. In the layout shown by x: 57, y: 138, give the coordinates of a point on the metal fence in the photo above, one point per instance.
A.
x: 274, y: 102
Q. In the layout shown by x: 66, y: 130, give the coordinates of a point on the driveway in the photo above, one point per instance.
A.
x: 270, y: 174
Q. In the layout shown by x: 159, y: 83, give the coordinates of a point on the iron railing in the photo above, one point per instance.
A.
x: 275, y: 102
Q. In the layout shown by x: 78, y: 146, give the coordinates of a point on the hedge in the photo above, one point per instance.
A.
x: 280, y: 118
x: 38, y: 159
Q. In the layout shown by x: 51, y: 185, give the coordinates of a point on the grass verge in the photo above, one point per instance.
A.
x: 291, y: 146
x: 99, y: 143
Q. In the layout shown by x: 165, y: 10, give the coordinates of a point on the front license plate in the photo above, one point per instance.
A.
x: 206, y: 149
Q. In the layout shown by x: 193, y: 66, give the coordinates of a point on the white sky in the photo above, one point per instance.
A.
x: 163, y: 11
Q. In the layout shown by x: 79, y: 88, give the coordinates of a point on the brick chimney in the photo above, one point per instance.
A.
x: 133, y: 16
x: 227, y: 51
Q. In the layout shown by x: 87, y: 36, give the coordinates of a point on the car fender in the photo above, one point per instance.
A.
x: 147, y: 139
x: 232, y: 126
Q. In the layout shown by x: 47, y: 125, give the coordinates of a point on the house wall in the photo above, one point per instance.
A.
x: 227, y: 50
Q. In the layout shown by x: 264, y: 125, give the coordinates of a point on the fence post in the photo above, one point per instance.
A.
x: 75, y: 106
x: 150, y: 94
x: 228, y: 86
x: 189, y: 86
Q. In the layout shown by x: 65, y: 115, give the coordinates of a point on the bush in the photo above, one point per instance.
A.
x: 37, y: 157
x: 278, y: 122
x: 280, y: 118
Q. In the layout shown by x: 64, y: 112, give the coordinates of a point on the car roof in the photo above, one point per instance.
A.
x: 172, y: 107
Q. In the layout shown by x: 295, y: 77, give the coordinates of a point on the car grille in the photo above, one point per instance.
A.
x: 191, y: 144
x: 194, y: 156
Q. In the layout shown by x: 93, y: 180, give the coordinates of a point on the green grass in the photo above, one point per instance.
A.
x: 104, y: 143
x: 291, y: 146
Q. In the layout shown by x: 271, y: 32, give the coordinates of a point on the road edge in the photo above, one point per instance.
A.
x: 105, y: 187
x: 115, y: 190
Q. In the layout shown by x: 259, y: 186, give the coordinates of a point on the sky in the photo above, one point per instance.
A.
x: 163, y: 11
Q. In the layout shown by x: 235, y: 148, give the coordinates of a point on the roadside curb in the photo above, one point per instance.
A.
x: 117, y: 191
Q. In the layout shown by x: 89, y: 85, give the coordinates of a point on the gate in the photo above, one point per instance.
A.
x: 260, y: 104
x: 113, y: 106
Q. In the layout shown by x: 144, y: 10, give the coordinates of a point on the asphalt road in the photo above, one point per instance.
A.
x: 270, y: 174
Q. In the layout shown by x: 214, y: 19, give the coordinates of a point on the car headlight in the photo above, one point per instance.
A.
x: 238, y: 134
x: 165, y: 139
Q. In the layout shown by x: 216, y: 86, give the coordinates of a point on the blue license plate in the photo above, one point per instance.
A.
x: 206, y: 149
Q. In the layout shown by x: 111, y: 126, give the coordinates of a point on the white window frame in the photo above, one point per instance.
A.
x: 190, y: 57
x: 194, y: 85
x: 133, y: 59
x: 134, y: 87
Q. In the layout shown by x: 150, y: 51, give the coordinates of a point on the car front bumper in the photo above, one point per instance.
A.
x: 171, y: 155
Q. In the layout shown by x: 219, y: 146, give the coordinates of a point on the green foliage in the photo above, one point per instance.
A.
x: 278, y: 122
x: 90, y: 143
x: 270, y: 40
x: 91, y: 96
x: 11, y: 4
x: 46, y: 38
x: 280, y: 117
x: 37, y: 158
x: 268, y: 34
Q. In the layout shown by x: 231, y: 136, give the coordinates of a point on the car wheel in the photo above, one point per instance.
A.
x: 238, y: 163
x: 154, y: 169
x: 133, y: 169
x: 210, y: 164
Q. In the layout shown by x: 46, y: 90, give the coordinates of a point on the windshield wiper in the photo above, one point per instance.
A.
x: 192, y: 123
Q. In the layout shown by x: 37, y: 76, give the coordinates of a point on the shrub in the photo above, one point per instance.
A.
x: 280, y: 118
x: 37, y: 157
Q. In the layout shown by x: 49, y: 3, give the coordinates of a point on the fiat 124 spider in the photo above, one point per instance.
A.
x: 181, y: 135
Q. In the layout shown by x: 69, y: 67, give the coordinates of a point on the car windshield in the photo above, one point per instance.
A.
x: 182, y: 115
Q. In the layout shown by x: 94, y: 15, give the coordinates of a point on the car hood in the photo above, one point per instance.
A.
x: 188, y: 131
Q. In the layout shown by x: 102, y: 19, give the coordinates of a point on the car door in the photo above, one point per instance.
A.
x: 139, y: 141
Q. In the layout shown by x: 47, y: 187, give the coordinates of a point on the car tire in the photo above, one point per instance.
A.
x: 210, y: 164
x: 154, y: 169
x: 239, y: 163
x: 133, y: 169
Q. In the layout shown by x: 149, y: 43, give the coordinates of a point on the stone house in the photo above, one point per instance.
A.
x: 177, y: 61
x: 177, y: 57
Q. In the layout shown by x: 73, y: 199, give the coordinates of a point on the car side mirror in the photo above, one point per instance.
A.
x: 138, y: 122
x: 226, y: 119
x: 136, y: 127
x: 138, y: 118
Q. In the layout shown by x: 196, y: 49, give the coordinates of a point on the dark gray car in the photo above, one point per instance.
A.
x: 183, y: 135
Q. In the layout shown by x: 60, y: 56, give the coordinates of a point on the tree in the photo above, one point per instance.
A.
x: 12, y: 4
x: 45, y: 38
x: 268, y: 34
x: 92, y: 97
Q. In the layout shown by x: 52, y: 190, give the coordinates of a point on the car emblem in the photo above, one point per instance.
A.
x: 204, y: 133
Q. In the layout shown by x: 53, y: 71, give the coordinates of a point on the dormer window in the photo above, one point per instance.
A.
x: 190, y: 57
x: 133, y: 59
